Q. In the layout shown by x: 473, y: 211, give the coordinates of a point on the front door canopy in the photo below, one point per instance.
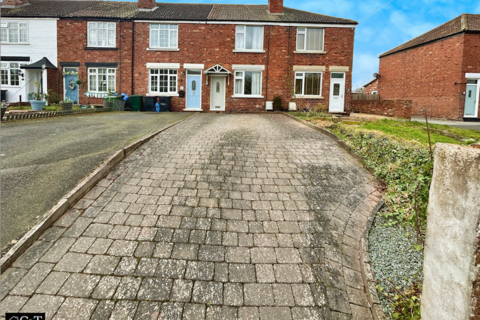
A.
x: 217, y: 70
x: 43, y: 63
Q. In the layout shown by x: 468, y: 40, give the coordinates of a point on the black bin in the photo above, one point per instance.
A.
x: 165, y: 104
x: 150, y: 103
x: 4, y: 96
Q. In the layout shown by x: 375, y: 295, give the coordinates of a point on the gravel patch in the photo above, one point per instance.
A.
x: 394, y: 259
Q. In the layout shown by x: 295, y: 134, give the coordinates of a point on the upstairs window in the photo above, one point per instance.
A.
x: 249, y: 38
x: 101, y: 34
x: 10, y: 73
x: 163, y: 81
x: 164, y: 36
x: 14, y: 32
x: 310, y: 39
x: 101, y: 80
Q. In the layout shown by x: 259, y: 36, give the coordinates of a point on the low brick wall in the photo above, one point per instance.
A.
x: 389, y: 108
x: 48, y: 114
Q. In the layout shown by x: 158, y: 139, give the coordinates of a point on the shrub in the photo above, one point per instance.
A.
x: 277, y: 103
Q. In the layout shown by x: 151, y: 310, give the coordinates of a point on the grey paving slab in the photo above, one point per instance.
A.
x: 222, y: 217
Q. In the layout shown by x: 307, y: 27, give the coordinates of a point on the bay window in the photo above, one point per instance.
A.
x: 14, y: 32
x: 310, y: 39
x: 101, y: 34
x: 163, y: 81
x: 249, y: 38
x: 164, y: 36
x: 308, y: 84
x: 101, y: 80
x: 248, y: 83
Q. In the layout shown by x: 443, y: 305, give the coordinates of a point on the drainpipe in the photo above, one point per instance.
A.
x: 133, y: 52
x: 120, y: 56
x: 268, y: 59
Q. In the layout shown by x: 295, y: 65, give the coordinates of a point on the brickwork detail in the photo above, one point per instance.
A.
x: 389, y: 108
x: 371, y: 87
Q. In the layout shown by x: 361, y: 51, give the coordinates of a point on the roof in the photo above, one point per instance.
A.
x: 462, y: 23
x: 39, y: 64
x: 165, y: 11
x: 370, y: 82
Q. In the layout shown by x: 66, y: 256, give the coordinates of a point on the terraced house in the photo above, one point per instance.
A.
x: 208, y: 57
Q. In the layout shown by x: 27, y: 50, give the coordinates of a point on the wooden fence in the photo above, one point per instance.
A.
x: 365, y: 96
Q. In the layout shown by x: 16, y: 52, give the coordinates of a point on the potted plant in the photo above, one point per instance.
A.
x: 38, y: 99
x: 4, y: 106
x: 66, y: 104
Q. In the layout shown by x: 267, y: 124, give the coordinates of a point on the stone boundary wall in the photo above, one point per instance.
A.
x: 389, y: 108
x: 451, y: 247
x: 48, y: 114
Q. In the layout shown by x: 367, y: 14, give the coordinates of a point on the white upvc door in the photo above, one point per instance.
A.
x: 337, y: 92
x: 471, y: 99
x: 217, y: 94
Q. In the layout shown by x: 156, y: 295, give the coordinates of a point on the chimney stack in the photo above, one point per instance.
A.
x: 14, y: 3
x: 275, y: 6
x: 146, y: 4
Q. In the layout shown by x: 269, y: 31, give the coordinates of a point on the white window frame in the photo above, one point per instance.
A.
x: 169, y: 76
x: 21, y: 25
x: 6, y: 66
x: 94, y: 72
x: 171, y: 28
x: 242, y: 78
x: 302, y: 77
x: 92, y: 26
x: 304, y: 32
x: 244, y: 32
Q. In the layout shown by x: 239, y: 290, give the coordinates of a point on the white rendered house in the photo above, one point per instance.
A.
x: 25, y: 41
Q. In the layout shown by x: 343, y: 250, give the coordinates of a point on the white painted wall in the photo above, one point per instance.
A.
x: 42, y: 42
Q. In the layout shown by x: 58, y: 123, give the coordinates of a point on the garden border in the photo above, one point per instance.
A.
x: 48, y: 114
x: 69, y: 200
x: 367, y: 271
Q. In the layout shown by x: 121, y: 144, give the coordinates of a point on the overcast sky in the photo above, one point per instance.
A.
x: 378, y: 30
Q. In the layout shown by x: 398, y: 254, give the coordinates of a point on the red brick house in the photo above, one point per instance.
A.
x: 208, y: 57
x: 443, y: 62
x: 371, y: 87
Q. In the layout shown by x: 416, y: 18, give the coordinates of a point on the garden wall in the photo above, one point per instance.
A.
x: 389, y: 108
x: 451, y: 277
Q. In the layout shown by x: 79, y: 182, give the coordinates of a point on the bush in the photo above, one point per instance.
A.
x: 277, y: 103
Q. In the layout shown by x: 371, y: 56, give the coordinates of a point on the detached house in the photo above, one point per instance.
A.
x: 207, y: 57
x: 442, y: 63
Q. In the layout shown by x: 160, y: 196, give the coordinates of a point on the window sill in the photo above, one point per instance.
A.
x: 156, y: 94
x: 315, y: 52
x: 196, y: 110
x: 163, y: 49
x: 248, y: 97
x: 102, y: 48
x: 14, y: 44
x: 248, y: 51
x: 309, y: 97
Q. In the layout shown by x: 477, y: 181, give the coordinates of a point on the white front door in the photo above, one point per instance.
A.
x: 471, y: 99
x: 217, y: 93
x: 337, y: 92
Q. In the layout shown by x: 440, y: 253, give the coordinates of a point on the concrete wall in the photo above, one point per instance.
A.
x: 42, y: 42
x: 451, y: 245
x: 389, y: 108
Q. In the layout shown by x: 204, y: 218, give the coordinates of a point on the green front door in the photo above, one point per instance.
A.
x: 471, y: 99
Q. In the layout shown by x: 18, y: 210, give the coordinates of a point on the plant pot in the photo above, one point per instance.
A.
x: 3, y: 112
x: 66, y: 106
x: 37, y: 105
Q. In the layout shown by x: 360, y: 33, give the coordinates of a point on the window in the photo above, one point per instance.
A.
x: 163, y: 80
x: 14, y: 32
x: 308, y: 83
x: 310, y: 39
x: 101, y: 80
x: 249, y: 38
x: 164, y: 36
x: 101, y: 34
x: 248, y: 83
x: 10, y: 73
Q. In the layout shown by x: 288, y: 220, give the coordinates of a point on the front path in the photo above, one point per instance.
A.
x: 220, y: 217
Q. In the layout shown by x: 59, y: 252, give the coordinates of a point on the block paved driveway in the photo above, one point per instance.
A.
x: 220, y: 217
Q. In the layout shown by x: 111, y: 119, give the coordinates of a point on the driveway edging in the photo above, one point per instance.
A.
x: 367, y: 271
x: 67, y: 202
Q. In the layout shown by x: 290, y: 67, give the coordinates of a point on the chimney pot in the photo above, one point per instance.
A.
x: 275, y: 6
x: 146, y: 4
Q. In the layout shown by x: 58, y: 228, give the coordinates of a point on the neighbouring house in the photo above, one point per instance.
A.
x: 208, y: 57
x: 371, y: 87
x: 26, y: 40
x: 442, y: 63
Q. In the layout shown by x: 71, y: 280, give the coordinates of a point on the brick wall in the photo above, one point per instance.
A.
x: 389, y: 108
x: 421, y: 73
x: 368, y: 89
x: 72, y: 40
